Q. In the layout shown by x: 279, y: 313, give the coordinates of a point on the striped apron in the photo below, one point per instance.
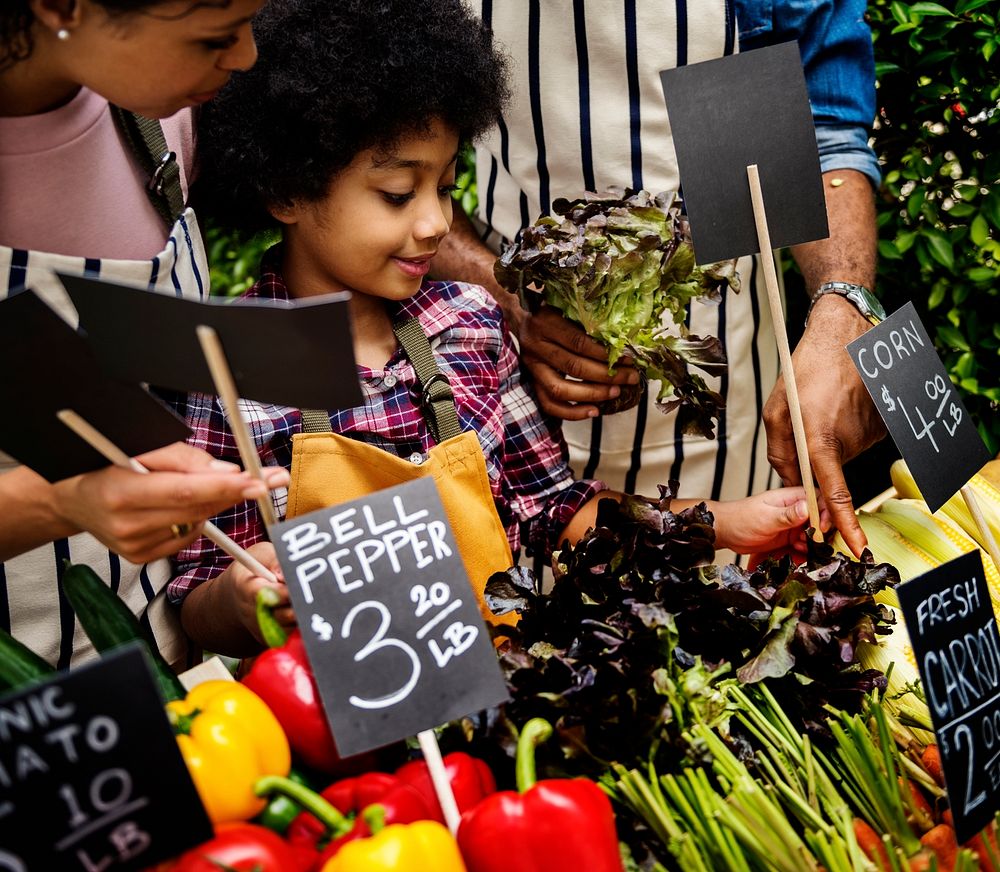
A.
x: 587, y: 113
x: 32, y: 605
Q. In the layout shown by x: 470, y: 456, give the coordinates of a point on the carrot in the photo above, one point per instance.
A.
x: 941, y: 840
x: 922, y: 813
x: 871, y: 845
x: 931, y: 761
x: 977, y: 844
x: 920, y: 862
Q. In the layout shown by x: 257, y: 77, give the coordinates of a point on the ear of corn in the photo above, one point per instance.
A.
x: 987, y: 495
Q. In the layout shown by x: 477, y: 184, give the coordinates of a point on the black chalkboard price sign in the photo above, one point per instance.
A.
x: 920, y: 406
x: 954, y: 634
x: 91, y: 777
x: 390, y: 621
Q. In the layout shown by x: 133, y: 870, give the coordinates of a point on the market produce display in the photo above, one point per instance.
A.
x: 685, y: 716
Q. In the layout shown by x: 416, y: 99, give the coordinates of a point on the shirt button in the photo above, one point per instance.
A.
x: 416, y: 458
x: 390, y: 380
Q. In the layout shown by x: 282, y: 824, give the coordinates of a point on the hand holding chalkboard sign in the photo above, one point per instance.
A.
x: 377, y: 583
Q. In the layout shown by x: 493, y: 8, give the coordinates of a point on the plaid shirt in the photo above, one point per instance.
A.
x: 530, y: 478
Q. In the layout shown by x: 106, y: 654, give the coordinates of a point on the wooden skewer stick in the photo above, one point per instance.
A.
x: 439, y: 775
x: 969, y: 495
x: 784, y: 352
x: 226, y: 387
x: 104, y: 446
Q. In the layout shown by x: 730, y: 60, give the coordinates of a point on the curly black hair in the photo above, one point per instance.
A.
x: 17, y: 19
x: 334, y: 78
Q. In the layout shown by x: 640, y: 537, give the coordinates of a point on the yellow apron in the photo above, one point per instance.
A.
x: 328, y: 469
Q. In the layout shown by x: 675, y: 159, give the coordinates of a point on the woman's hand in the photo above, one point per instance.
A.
x: 139, y: 516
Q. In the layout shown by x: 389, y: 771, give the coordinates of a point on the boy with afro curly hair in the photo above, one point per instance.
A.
x: 345, y: 136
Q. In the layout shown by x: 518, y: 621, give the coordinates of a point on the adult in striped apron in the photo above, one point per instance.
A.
x: 74, y: 182
x: 587, y: 113
x: 31, y: 602
x: 572, y: 127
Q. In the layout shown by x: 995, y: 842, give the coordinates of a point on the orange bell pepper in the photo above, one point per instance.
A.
x: 229, y: 739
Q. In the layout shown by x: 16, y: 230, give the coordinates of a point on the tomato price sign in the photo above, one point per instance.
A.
x: 389, y: 618
x: 91, y: 778
x: 919, y: 404
x: 953, y: 630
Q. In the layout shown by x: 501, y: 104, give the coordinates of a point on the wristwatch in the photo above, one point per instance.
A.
x: 862, y: 299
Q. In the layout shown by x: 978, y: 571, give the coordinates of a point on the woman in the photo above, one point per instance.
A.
x: 73, y: 197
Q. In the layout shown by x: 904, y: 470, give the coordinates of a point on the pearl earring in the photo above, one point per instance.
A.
x: 62, y: 33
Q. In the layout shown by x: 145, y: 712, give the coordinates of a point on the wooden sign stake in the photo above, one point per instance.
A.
x: 225, y: 385
x: 104, y: 446
x: 982, y: 525
x: 784, y: 352
x: 439, y: 775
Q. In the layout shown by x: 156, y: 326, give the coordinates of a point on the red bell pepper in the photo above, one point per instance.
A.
x: 471, y: 781
x: 243, y: 847
x: 281, y: 676
x: 402, y: 804
x: 556, y: 825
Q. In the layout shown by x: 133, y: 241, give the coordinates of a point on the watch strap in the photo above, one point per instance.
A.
x: 858, y: 295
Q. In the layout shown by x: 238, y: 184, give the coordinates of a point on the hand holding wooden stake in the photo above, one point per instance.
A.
x: 226, y: 386
x: 784, y: 352
x: 104, y: 446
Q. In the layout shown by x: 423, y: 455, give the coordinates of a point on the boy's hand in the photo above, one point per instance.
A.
x: 241, y: 587
x: 772, y: 521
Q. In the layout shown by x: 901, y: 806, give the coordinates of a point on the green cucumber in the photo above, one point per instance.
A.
x: 109, y: 623
x: 19, y: 665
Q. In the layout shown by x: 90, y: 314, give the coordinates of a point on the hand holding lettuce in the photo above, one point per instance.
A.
x: 621, y: 265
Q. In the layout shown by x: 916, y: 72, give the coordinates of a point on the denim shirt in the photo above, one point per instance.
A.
x: 836, y: 46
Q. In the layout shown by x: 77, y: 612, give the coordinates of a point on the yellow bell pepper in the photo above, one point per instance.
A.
x: 228, y: 738
x: 416, y: 847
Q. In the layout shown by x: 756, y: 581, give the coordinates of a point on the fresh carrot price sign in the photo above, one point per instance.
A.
x: 91, y: 777
x: 954, y: 634
x: 390, y: 621
x: 919, y: 404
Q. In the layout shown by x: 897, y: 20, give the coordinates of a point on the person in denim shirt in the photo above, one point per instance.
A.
x: 587, y: 113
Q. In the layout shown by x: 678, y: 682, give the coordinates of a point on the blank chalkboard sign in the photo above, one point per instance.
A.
x: 954, y: 634
x: 390, y: 621
x: 920, y: 406
x: 729, y: 113
x: 90, y: 774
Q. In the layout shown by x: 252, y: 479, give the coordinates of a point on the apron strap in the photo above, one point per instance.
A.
x: 315, y: 421
x: 437, y: 402
x: 144, y: 137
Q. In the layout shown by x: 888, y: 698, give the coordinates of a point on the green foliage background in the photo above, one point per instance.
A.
x: 938, y: 138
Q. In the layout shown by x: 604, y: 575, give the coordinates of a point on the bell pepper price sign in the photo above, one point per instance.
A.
x: 954, y: 634
x: 919, y: 404
x: 390, y: 622
x: 77, y: 789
